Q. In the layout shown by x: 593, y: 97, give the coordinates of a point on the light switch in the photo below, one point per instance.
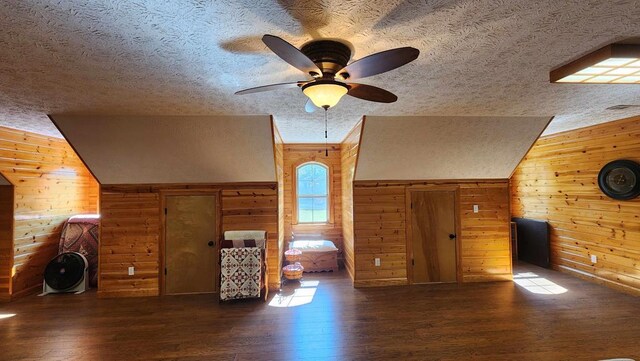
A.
x: 594, y: 258
x: 131, y: 271
x: 475, y: 208
x: 377, y: 262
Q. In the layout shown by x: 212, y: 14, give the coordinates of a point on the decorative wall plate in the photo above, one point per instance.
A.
x: 620, y: 179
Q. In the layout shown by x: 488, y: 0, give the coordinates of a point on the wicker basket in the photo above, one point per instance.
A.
x: 292, y: 255
x: 293, y: 271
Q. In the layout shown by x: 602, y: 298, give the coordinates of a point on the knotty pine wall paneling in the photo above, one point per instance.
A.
x: 132, y: 228
x: 380, y: 218
x: 486, y: 235
x: 50, y: 184
x: 379, y: 232
x: 348, y: 159
x: 557, y: 182
x: 129, y: 237
x: 6, y: 241
x: 279, y: 159
x: 295, y: 155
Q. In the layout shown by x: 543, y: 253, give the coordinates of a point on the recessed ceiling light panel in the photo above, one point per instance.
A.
x: 613, y: 64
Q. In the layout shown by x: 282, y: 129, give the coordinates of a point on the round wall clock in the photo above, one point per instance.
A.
x: 620, y: 179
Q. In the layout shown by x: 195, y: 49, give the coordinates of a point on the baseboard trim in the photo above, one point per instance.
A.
x: 487, y: 278
x: 26, y: 292
x: 598, y: 280
x: 128, y: 293
x: 381, y: 282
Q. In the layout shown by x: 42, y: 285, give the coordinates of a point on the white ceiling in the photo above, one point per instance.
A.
x: 478, y: 57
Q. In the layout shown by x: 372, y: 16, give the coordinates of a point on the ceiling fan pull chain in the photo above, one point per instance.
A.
x: 326, y: 146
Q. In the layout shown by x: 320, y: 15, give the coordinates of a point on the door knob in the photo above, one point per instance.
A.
x: 452, y: 236
x: 211, y: 243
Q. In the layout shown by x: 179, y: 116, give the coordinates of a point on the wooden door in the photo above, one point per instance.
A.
x: 433, y: 229
x: 191, y: 250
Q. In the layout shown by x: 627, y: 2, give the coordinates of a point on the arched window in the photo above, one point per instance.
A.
x: 312, y: 193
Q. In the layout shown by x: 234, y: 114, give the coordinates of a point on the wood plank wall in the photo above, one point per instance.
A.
x: 255, y: 206
x: 380, y: 230
x: 50, y: 184
x: 279, y: 159
x: 295, y: 155
x: 348, y: 159
x: 129, y: 236
x: 557, y: 182
x: 6, y: 241
x: 131, y: 230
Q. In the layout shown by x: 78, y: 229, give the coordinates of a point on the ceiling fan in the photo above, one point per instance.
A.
x: 325, y: 61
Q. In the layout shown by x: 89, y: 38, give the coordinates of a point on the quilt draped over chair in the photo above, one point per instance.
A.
x: 242, y: 265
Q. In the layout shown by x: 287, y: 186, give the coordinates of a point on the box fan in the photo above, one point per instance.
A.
x: 66, y: 272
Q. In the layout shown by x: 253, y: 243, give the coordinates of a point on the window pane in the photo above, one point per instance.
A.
x: 312, y: 189
x: 305, y: 173
x: 312, y: 180
x: 305, y: 210
x: 319, y: 181
x: 305, y: 187
x: 319, y: 209
x: 312, y: 210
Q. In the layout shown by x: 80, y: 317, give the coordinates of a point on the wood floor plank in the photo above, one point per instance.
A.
x: 480, y: 321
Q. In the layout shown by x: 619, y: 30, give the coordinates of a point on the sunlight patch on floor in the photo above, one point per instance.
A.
x: 299, y: 296
x: 538, y: 285
x: 6, y: 315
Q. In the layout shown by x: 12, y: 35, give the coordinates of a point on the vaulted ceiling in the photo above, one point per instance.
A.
x: 478, y: 57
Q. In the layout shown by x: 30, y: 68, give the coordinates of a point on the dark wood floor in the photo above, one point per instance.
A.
x: 491, y: 321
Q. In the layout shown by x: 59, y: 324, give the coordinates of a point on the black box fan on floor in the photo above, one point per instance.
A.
x: 66, y: 272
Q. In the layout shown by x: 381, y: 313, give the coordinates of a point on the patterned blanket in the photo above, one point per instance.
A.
x: 241, y: 273
x: 80, y: 234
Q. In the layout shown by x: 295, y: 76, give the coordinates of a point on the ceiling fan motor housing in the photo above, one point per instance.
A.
x: 329, y: 55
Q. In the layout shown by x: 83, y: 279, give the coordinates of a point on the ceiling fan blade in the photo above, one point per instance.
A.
x: 380, y: 62
x: 371, y: 93
x: 310, y: 107
x: 291, y: 54
x: 269, y: 87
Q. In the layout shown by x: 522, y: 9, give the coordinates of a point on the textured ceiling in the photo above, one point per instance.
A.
x: 484, y: 57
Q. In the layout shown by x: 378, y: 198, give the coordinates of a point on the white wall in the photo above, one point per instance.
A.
x: 172, y: 149
x: 415, y: 148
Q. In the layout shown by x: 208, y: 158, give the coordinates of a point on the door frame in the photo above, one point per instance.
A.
x: 409, y: 231
x: 163, y: 226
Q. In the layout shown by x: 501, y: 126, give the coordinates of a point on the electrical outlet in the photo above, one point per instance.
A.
x: 594, y: 258
x: 131, y: 271
x: 475, y: 208
x: 377, y: 262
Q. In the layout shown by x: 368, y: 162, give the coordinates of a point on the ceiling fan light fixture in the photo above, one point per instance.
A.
x: 612, y: 64
x: 327, y: 62
x: 325, y: 93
